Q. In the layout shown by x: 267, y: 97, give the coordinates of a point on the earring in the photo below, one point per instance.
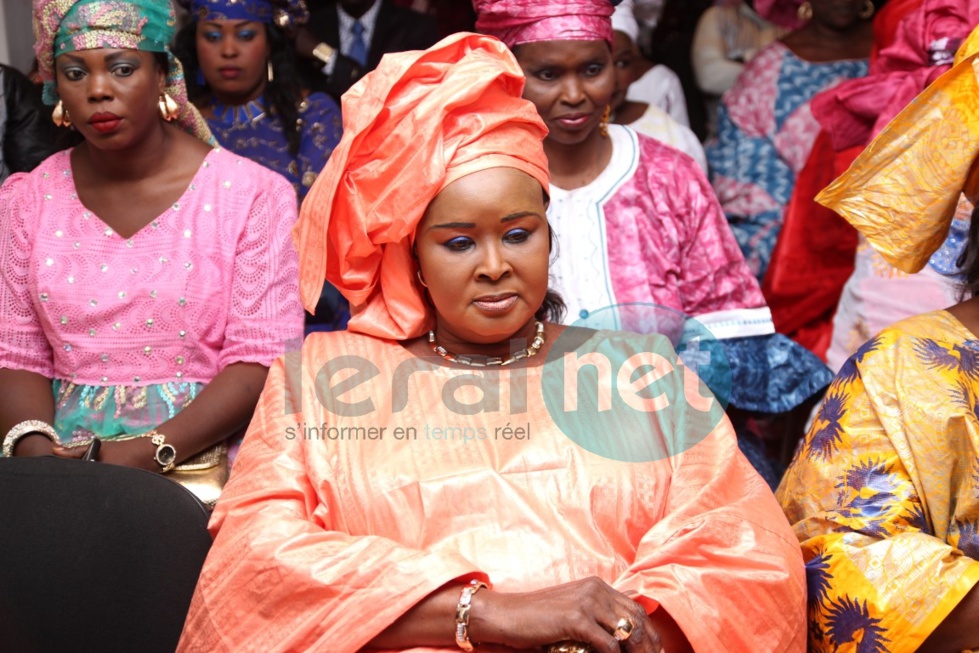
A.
x: 603, y: 125
x: 805, y: 12
x: 868, y: 10
x: 420, y: 280
x: 271, y: 72
x: 169, y: 108
x: 60, y: 115
x: 201, y: 80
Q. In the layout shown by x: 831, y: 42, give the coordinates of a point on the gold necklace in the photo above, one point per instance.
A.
x: 487, y: 361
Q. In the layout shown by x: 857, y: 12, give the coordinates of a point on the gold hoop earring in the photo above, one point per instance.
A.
x: 271, y: 72
x: 420, y: 280
x: 868, y: 10
x: 60, y: 115
x: 805, y: 12
x: 603, y: 125
x: 169, y: 108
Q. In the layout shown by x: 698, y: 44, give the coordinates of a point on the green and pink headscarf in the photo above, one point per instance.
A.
x: 62, y: 26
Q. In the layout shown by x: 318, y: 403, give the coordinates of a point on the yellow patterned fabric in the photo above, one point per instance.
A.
x: 902, y: 191
x: 884, y: 494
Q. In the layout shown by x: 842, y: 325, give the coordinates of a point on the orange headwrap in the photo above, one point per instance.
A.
x: 415, y: 124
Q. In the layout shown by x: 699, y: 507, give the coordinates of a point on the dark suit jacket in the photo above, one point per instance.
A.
x: 397, y: 29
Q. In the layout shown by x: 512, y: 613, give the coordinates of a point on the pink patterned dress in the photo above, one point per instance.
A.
x: 765, y: 134
x: 647, y: 229
x: 131, y: 329
x: 645, y: 247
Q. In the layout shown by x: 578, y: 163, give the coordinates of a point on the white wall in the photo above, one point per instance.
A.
x: 16, y: 35
x: 4, y: 50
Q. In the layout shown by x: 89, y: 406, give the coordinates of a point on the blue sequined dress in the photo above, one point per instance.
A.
x: 250, y: 131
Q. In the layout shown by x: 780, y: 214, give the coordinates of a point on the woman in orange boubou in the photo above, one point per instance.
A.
x: 375, y: 509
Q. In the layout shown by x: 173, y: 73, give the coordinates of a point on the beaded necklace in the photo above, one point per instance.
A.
x: 488, y: 361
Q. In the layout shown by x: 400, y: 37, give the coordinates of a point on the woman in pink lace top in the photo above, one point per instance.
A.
x: 148, y: 279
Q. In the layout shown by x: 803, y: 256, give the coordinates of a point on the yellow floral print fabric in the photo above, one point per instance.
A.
x: 902, y: 191
x: 884, y: 493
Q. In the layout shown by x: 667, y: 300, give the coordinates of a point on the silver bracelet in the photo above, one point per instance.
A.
x: 25, y: 428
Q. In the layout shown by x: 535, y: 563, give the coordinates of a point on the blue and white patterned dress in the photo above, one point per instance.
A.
x: 765, y: 134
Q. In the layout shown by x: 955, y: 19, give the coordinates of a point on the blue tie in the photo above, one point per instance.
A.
x: 358, y: 49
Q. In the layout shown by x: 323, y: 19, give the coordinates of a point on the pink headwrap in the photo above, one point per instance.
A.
x: 529, y: 21
x: 784, y: 13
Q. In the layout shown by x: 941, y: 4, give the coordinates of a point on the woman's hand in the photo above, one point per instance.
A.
x: 137, y: 453
x: 584, y: 611
x: 34, y: 444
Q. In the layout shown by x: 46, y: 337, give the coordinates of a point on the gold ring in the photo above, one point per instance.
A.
x: 570, y: 647
x: 623, y: 629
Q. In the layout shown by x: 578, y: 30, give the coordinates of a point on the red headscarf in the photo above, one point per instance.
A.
x: 922, y: 45
x: 415, y: 124
x: 528, y: 21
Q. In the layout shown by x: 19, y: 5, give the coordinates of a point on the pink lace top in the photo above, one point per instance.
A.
x: 211, y: 281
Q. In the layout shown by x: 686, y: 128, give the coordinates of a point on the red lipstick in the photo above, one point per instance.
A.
x: 105, y: 122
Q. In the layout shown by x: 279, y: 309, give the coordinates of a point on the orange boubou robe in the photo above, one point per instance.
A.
x: 334, y: 525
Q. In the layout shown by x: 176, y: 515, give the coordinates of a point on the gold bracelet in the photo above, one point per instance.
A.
x: 462, y: 614
x: 25, y: 428
x: 324, y: 52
